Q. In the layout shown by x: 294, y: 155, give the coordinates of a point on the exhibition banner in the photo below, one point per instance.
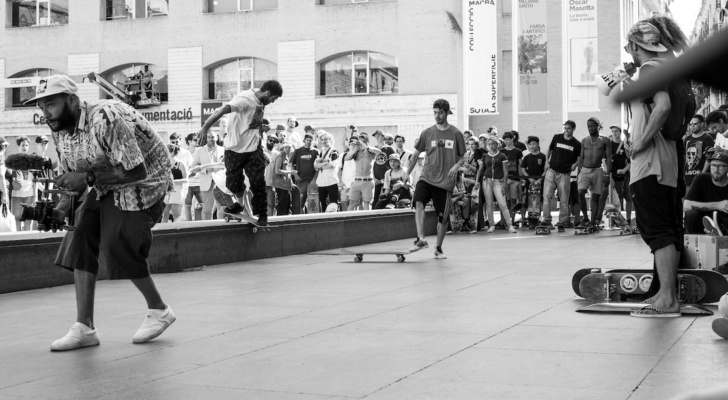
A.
x: 532, y: 56
x: 481, y: 59
x: 583, y: 49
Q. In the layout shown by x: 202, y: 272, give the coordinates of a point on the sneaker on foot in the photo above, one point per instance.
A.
x: 439, y: 254
x: 474, y: 231
x: 512, y: 229
x: 491, y: 229
x: 419, y: 245
x: 235, y: 208
x: 79, y: 336
x: 157, y: 321
x: 448, y: 233
x: 263, y: 220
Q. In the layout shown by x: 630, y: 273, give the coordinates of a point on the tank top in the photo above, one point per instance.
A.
x: 176, y: 172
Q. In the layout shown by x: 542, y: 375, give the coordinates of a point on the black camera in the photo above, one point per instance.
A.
x: 42, y: 212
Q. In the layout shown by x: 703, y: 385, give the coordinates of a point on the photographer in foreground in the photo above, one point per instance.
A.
x: 110, y: 148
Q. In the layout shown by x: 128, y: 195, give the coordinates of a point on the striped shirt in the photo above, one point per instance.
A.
x: 110, y: 134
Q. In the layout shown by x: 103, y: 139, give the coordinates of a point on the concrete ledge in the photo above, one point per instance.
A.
x: 27, y: 259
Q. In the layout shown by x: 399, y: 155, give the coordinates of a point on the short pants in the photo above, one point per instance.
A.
x: 574, y: 194
x: 361, y: 190
x: 592, y: 179
x: 121, y: 238
x: 655, y: 205
x: 424, y: 192
x: 344, y: 193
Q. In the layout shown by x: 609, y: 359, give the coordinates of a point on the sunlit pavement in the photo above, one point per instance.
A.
x: 495, y: 320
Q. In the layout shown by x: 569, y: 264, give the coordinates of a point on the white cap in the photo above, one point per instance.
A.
x: 53, y: 85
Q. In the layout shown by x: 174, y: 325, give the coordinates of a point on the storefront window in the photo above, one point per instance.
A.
x: 359, y: 72
x: 222, y: 6
x: 127, y: 78
x: 331, y: 2
x: 23, y: 13
x: 229, y: 79
x: 130, y: 9
x: 22, y: 94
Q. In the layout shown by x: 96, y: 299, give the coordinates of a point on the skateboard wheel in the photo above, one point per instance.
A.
x: 358, y: 258
x: 645, y: 282
x: 400, y: 258
x: 227, y: 219
x: 628, y: 283
x: 255, y: 230
x: 267, y: 231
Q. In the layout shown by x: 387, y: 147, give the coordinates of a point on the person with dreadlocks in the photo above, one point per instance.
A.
x: 657, y: 185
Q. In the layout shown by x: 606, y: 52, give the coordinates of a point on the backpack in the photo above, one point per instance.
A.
x: 682, y: 102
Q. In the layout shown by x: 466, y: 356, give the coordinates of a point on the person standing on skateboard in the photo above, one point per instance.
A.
x: 243, y: 146
x: 594, y: 149
x: 444, y: 146
x: 654, y: 174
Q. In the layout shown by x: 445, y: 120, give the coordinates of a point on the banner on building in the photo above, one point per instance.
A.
x: 481, y: 57
x: 532, y: 56
x: 582, y: 48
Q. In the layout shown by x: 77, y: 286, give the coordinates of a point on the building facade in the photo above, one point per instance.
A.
x: 713, y: 17
x: 376, y: 64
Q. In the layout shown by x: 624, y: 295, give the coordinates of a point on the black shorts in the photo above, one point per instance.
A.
x: 655, y: 205
x: 574, y: 194
x: 424, y: 192
x: 121, y: 238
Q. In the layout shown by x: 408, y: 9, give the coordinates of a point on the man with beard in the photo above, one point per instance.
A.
x: 109, y: 147
x: 445, y: 149
x: 302, y: 160
x: 594, y: 149
x: 243, y: 146
x: 709, y: 193
x: 697, y: 144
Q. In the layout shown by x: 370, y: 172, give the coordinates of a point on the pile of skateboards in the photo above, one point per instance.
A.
x: 624, y: 290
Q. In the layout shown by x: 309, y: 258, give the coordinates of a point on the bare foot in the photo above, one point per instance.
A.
x: 666, y: 305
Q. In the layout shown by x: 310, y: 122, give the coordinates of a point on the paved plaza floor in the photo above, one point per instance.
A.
x: 496, y: 320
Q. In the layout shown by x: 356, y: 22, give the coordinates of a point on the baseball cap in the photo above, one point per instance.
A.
x: 52, y: 85
x: 647, y: 36
x: 442, y: 104
x: 280, y: 128
x: 309, y: 128
x: 615, y: 126
x: 394, y: 156
x: 388, y: 136
x: 719, y: 156
x: 483, y: 136
x: 377, y: 132
x: 571, y: 123
x: 285, y: 143
x: 42, y: 139
x: 294, y: 120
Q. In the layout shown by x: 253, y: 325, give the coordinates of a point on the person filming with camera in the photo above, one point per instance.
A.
x: 110, y: 149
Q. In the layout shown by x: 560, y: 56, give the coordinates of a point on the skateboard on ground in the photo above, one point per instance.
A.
x: 244, y: 217
x: 614, y: 213
x: 534, y: 204
x: 513, y: 211
x: 626, y: 283
x: 543, y: 229
x: 359, y: 254
x: 584, y: 230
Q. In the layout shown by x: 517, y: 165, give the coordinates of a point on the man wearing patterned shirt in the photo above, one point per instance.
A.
x: 112, y: 149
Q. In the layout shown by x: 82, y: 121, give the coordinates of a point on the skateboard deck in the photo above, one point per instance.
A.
x: 312, y: 199
x: 583, y: 230
x: 456, y: 218
x: 359, y: 254
x: 716, y: 284
x: 614, y: 213
x: 244, y: 217
x: 686, y: 309
x: 543, y: 230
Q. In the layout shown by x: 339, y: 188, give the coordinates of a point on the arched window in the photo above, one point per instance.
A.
x: 359, y: 72
x: 22, y: 94
x: 121, y: 76
x: 230, y: 78
x: 22, y: 13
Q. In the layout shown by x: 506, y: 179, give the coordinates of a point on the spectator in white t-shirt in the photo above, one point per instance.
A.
x: 327, y: 180
x: 346, y: 171
x: 184, y: 155
x: 23, y: 189
x: 193, y: 182
x: 293, y: 136
x: 717, y: 122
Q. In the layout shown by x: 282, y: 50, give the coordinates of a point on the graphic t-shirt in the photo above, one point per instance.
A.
x: 514, y: 160
x: 619, y: 160
x: 695, y: 149
x: 534, y: 164
x: 244, y: 123
x: 564, y: 153
x: 443, y: 149
x: 381, y: 163
x: 302, y: 161
x: 705, y: 191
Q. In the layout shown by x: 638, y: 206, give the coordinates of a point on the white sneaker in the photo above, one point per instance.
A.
x: 79, y: 336
x: 439, y: 254
x: 512, y: 229
x: 155, y: 323
x: 491, y: 229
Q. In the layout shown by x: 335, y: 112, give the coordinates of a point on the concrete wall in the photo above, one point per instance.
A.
x: 27, y: 260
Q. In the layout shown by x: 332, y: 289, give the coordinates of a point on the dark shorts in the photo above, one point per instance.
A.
x: 424, y: 192
x: 574, y: 193
x: 122, y: 239
x: 655, y: 205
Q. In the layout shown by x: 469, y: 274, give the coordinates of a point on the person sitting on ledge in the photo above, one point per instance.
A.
x: 708, y: 193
